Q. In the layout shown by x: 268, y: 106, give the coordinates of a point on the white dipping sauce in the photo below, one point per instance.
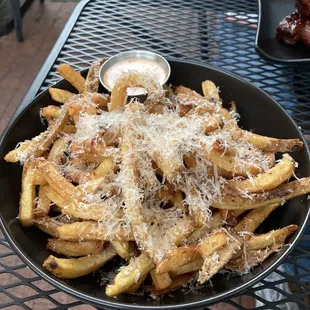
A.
x: 141, y: 65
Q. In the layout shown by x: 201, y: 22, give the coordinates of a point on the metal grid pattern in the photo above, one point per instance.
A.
x: 216, y: 32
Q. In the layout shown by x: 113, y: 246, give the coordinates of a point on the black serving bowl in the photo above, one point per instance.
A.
x: 258, y: 112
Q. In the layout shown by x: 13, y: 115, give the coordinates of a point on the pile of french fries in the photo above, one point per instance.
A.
x: 172, y: 185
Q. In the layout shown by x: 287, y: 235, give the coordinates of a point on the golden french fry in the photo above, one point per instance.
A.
x: 21, y: 152
x: 181, y: 230
x: 72, y: 76
x: 56, y: 153
x: 68, y: 248
x: 43, y: 205
x: 71, y: 268
x: 190, y: 267
x: 210, y: 90
x: 119, y: 95
x: 57, y: 181
x: 249, y: 223
x: 128, y: 276
x: 59, y: 95
x: 50, y: 112
x: 176, y: 282
x: 38, y: 178
x: 186, y: 95
x: 75, y: 108
x: 104, y: 168
x: 160, y: 281
x: 177, y: 258
x: 124, y: 249
x: 47, y: 225
x: 258, y: 242
x: 269, y: 179
x: 254, y: 218
x: 28, y: 195
x: 93, y: 146
x: 100, y: 100
x: 268, y: 144
x: 37, y: 146
x: 234, y: 201
x: 131, y: 195
x: 228, y: 163
x: 69, y: 129
x: 211, y: 243
x: 132, y: 289
x: 92, y: 79
x: 230, y: 216
x: 90, y: 230
x: 54, y: 196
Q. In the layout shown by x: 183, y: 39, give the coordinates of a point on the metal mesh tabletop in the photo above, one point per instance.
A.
x: 220, y: 33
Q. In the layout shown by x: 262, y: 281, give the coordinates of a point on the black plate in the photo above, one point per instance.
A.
x: 258, y: 111
x: 271, y: 12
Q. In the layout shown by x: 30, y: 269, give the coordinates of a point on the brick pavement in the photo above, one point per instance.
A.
x: 20, y: 62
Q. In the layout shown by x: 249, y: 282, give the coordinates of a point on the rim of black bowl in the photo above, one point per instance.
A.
x: 265, y: 55
x: 122, y: 305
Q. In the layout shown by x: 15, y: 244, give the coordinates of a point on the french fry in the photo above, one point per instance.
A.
x: 28, y: 195
x: 124, y: 249
x: 249, y: 223
x: 128, y: 276
x: 47, y: 225
x: 90, y: 230
x: 74, y: 249
x: 37, y: 146
x: 170, y: 166
x: 190, y: 267
x: 132, y: 289
x: 259, y: 247
x: 258, y: 242
x: 181, y: 230
x: 56, y: 153
x: 93, y: 146
x: 214, y: 222
x: 81, y: 104
x: 268, y: 144
x: 100, y: 100
x: 38, y: 178
x: 234, y: 201
x: 57, y: 181
x: 50, y: 112
x: 251, y: 259
x: 104, y: 168
x: 228, y: 163
x: 176, y: 282
x: 118, y: 93
x: 59, y: 95
x: 43, y: 204
x: 21, y: 152
x: 54, y: 196
x: 211, y: 243
x: 131, y: 195
x: 210, y: 90
x: 69, y: 129
x: 269, y: 179
x: 230, y: 217
x: 177, y: 258
x: 72, y: 76
x: 92, y: 79
x: 71, y: 268
x: 160, y: 281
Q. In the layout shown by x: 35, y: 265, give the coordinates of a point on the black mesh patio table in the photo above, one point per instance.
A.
x: 220, y: 33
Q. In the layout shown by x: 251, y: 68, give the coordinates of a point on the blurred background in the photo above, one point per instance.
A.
x: 21, y: 61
